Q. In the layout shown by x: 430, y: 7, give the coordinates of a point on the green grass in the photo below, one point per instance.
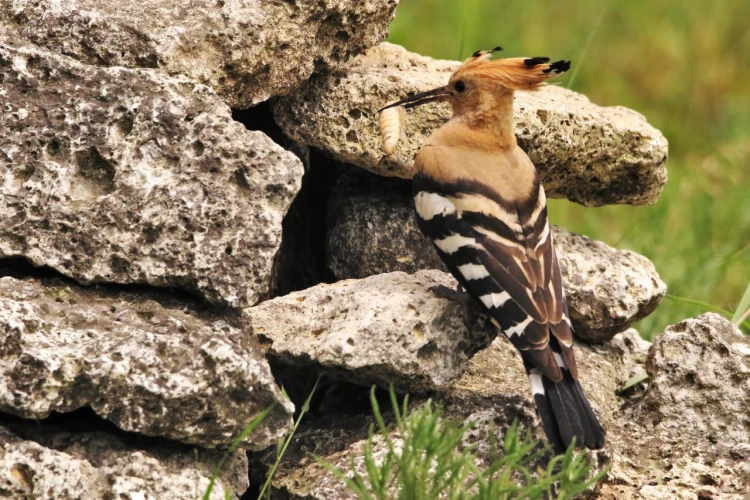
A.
x: 429, y: 461
x: 281, y: 446
x: 686, y: 67
x: 233, y: 447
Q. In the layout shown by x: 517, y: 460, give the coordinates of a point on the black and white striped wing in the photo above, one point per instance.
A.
x: 501, y: 252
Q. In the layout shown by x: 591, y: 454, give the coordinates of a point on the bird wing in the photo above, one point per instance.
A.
x: 501, y: 251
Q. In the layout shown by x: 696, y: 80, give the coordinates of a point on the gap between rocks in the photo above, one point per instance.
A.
x: 85, y: 420
x: 170, y: 298
x: 301, y: 260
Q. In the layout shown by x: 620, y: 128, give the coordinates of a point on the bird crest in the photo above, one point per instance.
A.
x: 516, y: 73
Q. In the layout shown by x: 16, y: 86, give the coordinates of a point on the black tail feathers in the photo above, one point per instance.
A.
x: 565, y: 412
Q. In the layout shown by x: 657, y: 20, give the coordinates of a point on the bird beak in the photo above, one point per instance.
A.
x: 439, y: 94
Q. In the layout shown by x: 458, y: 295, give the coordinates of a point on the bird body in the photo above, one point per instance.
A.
x: 478, y: 197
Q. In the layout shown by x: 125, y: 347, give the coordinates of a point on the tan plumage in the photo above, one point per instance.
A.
x: 479, y: 198
x: 478, y: 145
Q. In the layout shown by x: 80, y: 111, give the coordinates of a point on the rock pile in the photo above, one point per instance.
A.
x: 164, y: 269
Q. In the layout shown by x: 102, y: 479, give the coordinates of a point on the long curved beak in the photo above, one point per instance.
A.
x: 439, y: 94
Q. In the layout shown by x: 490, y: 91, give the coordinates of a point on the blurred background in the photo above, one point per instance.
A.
x: 683, y: 64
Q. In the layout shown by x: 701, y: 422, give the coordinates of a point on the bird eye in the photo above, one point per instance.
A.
x: 460, y: 86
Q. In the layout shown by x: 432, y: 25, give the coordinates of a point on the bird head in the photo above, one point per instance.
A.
x: 481, y: 84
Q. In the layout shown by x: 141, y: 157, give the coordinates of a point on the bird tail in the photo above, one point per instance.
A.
x: 521, y: 73
x: 565, y: 412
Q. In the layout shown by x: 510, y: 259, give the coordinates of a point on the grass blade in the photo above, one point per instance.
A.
x: 634, y: 380
x: 743, y: 308
x: 724, y: 312
x: 305, y: 408
x: 236, y: 444
x: 589, y: 41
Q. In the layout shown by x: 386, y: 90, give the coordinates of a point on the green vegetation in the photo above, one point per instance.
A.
x: 281, y: 446
x: 686, y: 67
x: 235, y: 444
x: 430, y: 462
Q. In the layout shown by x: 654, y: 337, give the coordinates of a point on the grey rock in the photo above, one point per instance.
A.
x: 410, y: 330
x: 129, y: 176
x: 147, y: 368
x: 607, y: 289
x: 700, y: 381
x: 688, y: 437
x: 372, y: 230
x: 43, y: 463
x: 246, y: 51
x: 589, y: 154
x: 491, y: 395
x: 685, y: 437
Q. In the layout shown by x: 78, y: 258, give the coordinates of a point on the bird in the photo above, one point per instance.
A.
x: 479, y: 198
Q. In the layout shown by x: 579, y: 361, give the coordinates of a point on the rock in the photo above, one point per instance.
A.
x: 491, y: 394
x: 687, y: 437
x: 409, y: 330
x: 129, y: 176
x: 147, y: 368
x: 700, y: 381
x: 246, y: 51
x: 607, y: 289
x: 44, y: 463
x: 589, y: 154
x: 372, y: 230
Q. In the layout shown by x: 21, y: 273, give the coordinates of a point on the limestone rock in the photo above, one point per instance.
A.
x: 688, y: 436
x: 145, y: 367
x: 491, y: 394
x: 129, y: 176
x: 700, y: 387
x: 607, y: 289
x: 410, y: 330
x: 589, y: 154
x: 42, y: 463
x: 372, y: 230
x: 247, y: 51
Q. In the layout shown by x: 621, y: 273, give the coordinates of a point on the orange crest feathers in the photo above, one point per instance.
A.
x: 518, y: 73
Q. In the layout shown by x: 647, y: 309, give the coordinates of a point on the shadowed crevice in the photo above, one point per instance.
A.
x: 301, y: 260
x: 21, y: 268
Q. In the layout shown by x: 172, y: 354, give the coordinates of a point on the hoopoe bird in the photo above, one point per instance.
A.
x: 479, y: 199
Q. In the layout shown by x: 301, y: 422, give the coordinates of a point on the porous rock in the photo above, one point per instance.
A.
x: 49, y: 463
x: 589, y: 154
x: 491, y: 395
x: 147, y: 368
x: 700, y: 380
x: 247, y: 51
x: 685, y: 437
x: 688, y: 437
x: 129, y: 176
x: 607, y: 289
x: 372, y: 229
x: 413, y: 331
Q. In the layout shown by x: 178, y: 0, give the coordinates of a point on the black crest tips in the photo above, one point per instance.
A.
x: 482, y: 52
x: 558, y: 67
x: 535, y: 61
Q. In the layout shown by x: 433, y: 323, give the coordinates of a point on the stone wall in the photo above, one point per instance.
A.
x: 195, y: 209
